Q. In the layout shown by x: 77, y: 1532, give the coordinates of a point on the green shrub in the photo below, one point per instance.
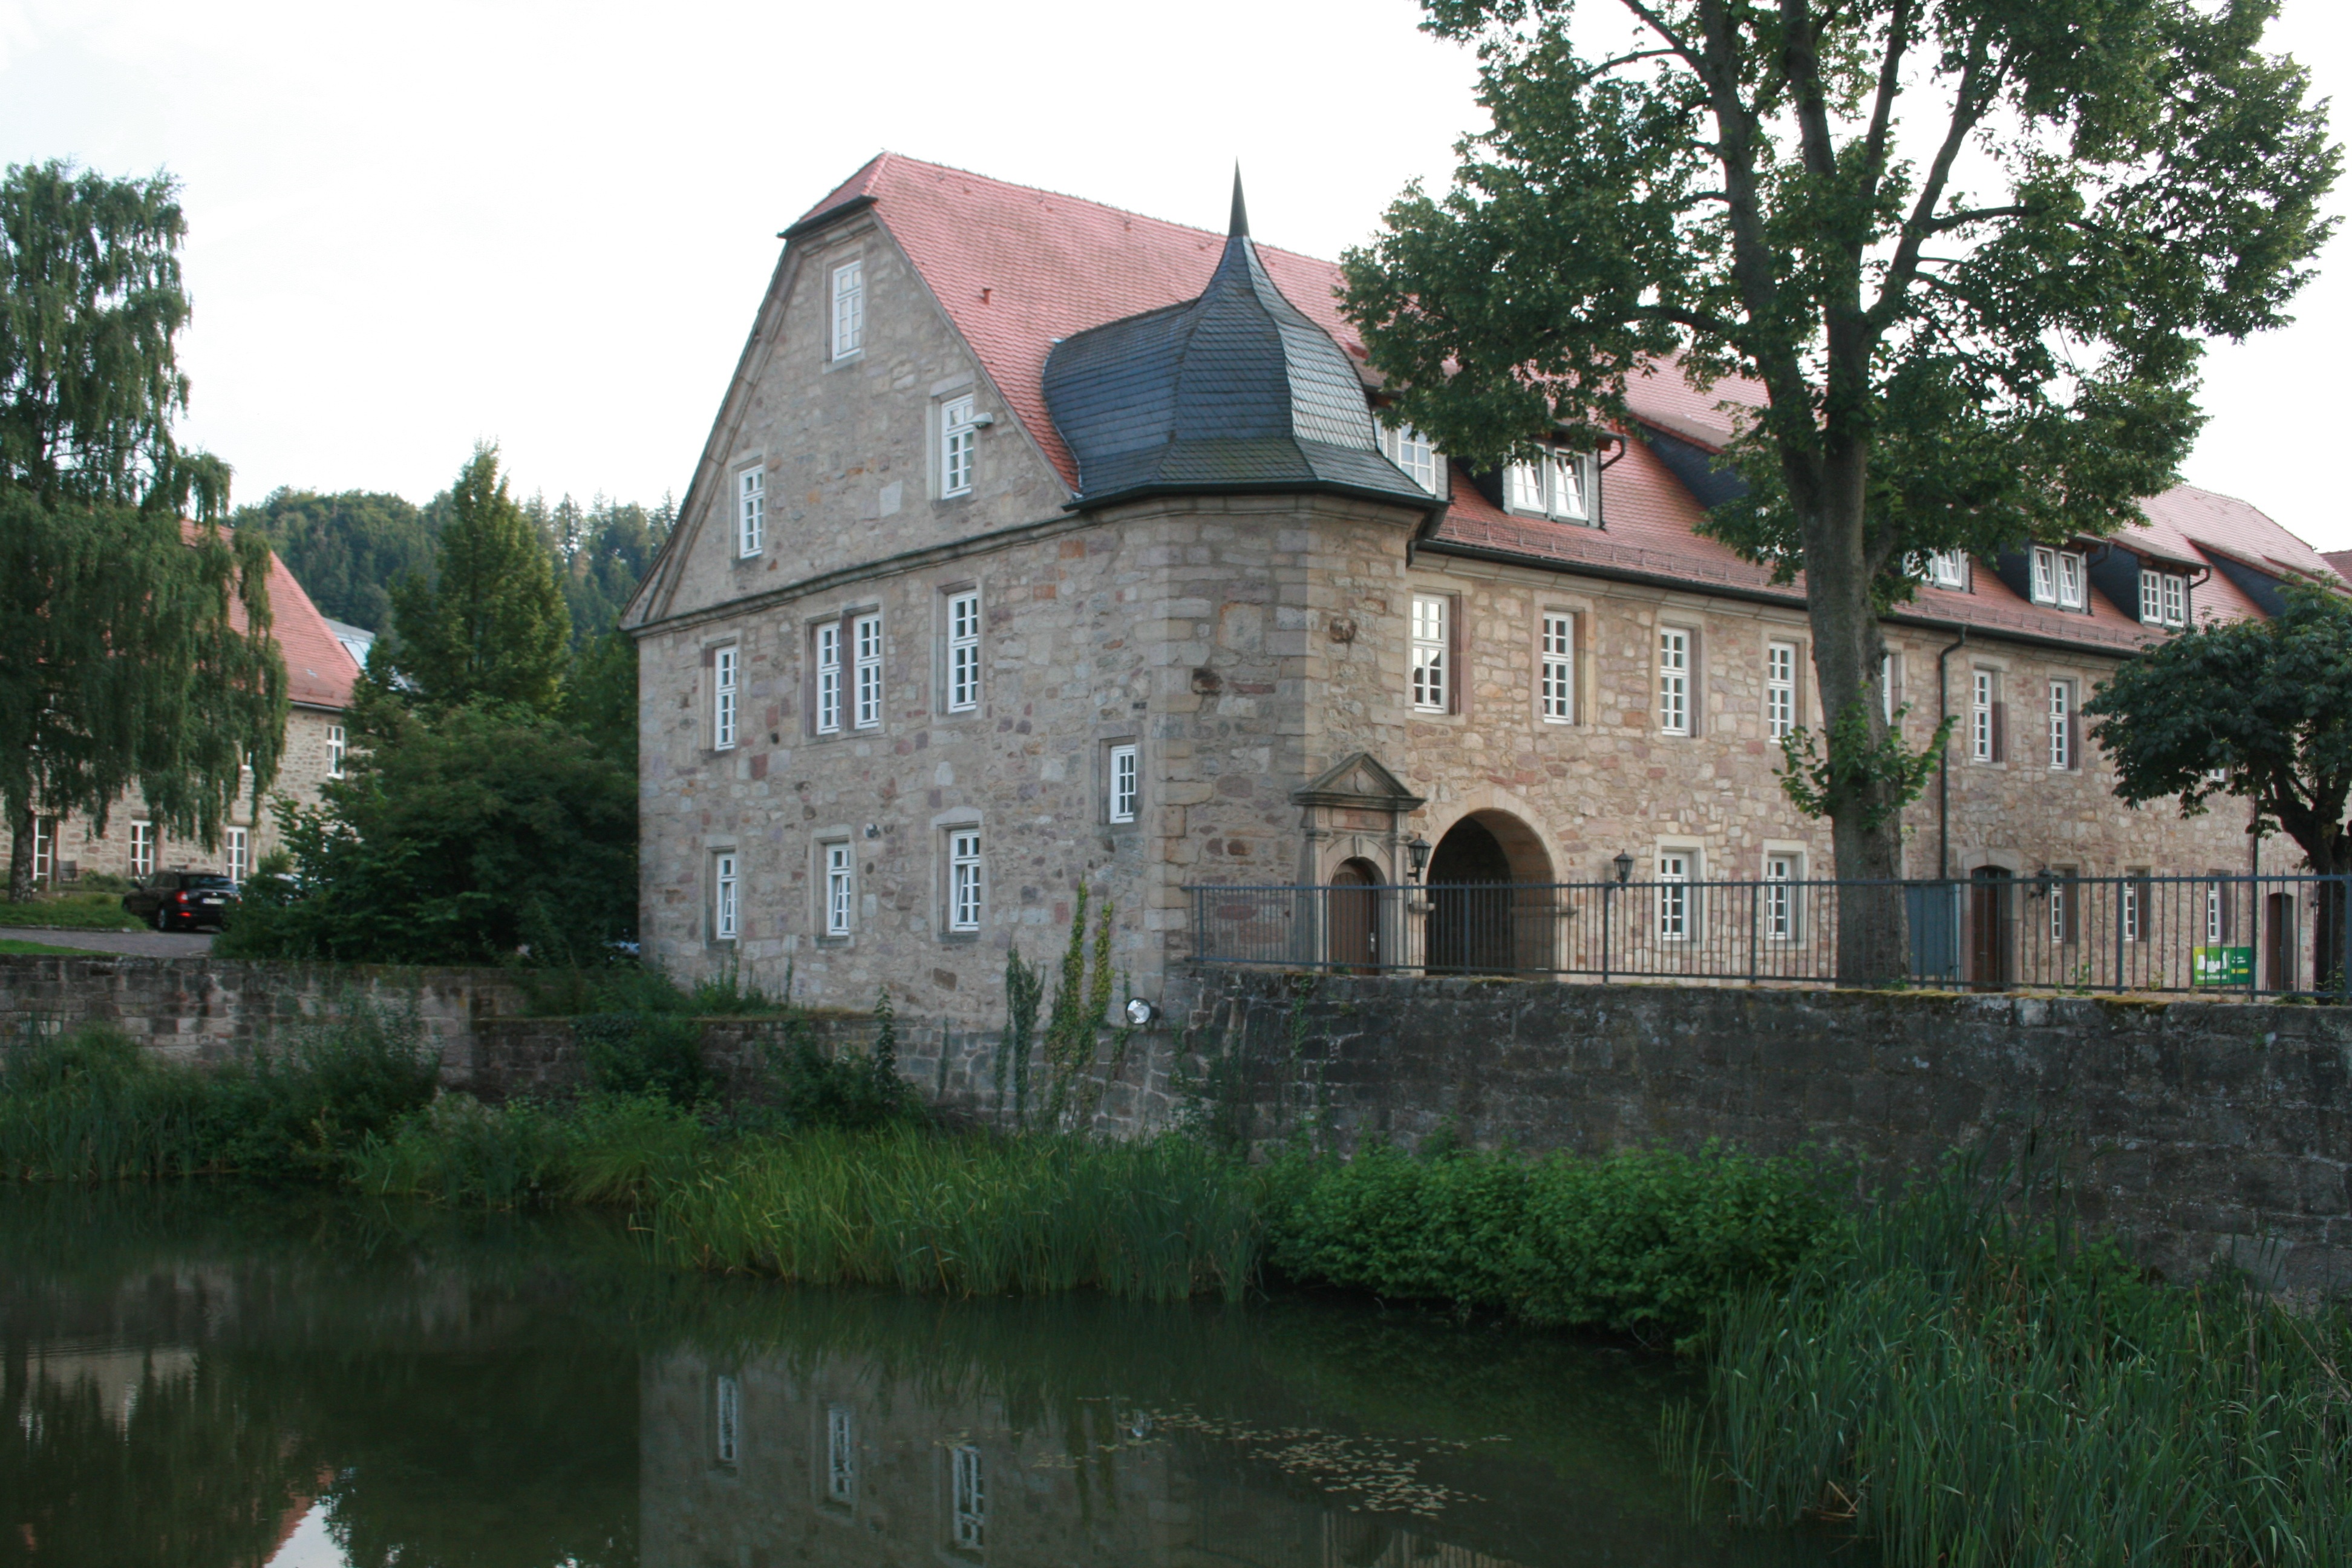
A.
x: 1643, y: 1243
x: 91, y: 1105
x: 1965, y: 1386
x: 849, y: 1092
x: 644, y: 1053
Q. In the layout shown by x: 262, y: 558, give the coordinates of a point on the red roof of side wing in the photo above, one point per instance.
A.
x: 1017, y: 269
x: 320, y: 670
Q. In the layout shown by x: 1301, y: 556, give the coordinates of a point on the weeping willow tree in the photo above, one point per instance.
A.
x: 135, y: 647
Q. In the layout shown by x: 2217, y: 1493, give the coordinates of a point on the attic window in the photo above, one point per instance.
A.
x: 2058, y: 577
x: 1411, y: 451
x: 1944, y: 569
x: 1559, y: 485
x: 2163, y: 598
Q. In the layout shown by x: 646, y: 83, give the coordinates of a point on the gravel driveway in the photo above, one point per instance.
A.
x: 141, y: 944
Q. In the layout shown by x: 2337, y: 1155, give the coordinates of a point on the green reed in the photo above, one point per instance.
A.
x: 972, y: 1215
x: 603, y: 1149
x: 1966, y: 1387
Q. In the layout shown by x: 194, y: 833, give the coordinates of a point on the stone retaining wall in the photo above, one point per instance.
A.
x: 2197, y: 1129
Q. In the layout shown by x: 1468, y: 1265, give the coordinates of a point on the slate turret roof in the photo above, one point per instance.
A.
x: 1235, y: 390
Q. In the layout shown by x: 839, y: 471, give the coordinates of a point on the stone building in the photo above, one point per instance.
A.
x: 319, y: 673
x: 1039, y: 542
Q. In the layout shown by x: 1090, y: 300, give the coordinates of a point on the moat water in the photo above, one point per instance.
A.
x: 207, y: 1376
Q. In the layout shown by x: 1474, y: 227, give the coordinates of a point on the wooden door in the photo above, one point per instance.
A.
x: 1352, y: 919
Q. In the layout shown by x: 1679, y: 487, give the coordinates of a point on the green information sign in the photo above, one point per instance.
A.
x: 2221, y: 965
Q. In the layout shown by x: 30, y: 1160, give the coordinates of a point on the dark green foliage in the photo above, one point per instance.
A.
x: 656, y: 1054
x: 601, y: 553
x: 462, y: 836
x: 1024, y: 988
x: 138, y: 653
x: 1963, y: 1383
x: 346, y: 550
x: 93, y: 1106
x: 1639, y: 1243
x: 2257, y: 711
x: 600, y: 696
x: 602, y: 1149
x: 491, y: 625
x: 849, y: 1091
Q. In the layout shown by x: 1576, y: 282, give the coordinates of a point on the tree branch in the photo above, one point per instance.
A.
x: 1801, y: 67
x: 1882, y: 113
x: 1974, y: 95
x: 1953, y: 220
x: 1657, y: 24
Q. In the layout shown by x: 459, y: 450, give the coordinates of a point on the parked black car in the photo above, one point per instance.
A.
x: 183, y: 900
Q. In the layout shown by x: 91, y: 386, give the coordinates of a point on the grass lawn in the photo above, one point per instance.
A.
x: 71, y: 912
x: 9, y: 945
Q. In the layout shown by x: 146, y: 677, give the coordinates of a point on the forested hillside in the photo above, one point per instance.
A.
x: 348, y: 550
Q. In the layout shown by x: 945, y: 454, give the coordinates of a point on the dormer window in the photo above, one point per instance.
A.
x: 2058, y: 578
x: 2163, y: 598
x: 1411, y: 450
x: 1943, y: 568
x: 1558, y: 485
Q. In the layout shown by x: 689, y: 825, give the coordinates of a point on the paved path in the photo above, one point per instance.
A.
x: 142, y: 944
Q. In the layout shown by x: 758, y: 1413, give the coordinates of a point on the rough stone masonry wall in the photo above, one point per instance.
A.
x: 2196, y: 1130
x: 206, y: 1009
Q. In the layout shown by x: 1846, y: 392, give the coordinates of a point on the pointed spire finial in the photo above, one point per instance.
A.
x: 1239, y: 228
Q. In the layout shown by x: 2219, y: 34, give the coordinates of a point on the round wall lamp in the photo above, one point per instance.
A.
x: 1139, y: 1012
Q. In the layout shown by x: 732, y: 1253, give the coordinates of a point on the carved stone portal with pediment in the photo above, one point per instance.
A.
x: 1354, y: 810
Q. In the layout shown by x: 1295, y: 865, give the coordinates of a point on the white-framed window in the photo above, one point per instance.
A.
x: 848, y: 308
x: 965, y: 888
x: 2216, y: 913
x: 840, y: 1457
x: 1431, y: 657
x: 45, y: 848
x: 840, y: 889
x: 337, y: 749
x: 2061, y: 931
x: 1673, y: 895
x: 1945, y: 568
x: 1673, y: 681
x: 1890, y: 676
x: 1784, y: 900
x: 1411, y: 450
x: 828, y: 678
x: 2044, y: 576
x: 2072, y: 575
x: 751, y: 510
x: 240, y: 854
x: 723, y: 901
x: 2062, y: 724
x: 1779, y: 689
x: 2163, y: 598
x: 963, y: 651
x: 958, y: 446
x: 968, y: 1488
x: 2134, y: 913
x: 1126, y: 782
x: 1558, y: 684
x: 143, y: 850
x: 724, y: 673
x: 1558, y: 485
x: 865, y: 635
x: 1980, y: 716
x: 727, y: 1419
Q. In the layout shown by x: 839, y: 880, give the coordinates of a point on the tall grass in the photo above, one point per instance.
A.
x: 92, y: 1105
x: 972, y: 1215
x: 1966, y: 1387
x: 605, y: 1148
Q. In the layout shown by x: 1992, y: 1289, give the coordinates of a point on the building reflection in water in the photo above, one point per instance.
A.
x: 768, y: 1462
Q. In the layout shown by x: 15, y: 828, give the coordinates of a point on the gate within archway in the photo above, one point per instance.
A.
x: 1491, y: 907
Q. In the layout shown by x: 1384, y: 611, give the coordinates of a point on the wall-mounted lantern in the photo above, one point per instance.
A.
x: 1624, y: 864
x: 1417, y: 848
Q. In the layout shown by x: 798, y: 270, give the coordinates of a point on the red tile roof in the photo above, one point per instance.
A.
x: 2342, y: 561
x: 320, y: 670
x: 1018, y: 268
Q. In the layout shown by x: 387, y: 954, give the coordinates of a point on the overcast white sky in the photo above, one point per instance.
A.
x: 412, y: 226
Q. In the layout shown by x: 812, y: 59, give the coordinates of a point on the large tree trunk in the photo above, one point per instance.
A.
x: 20, y: 855
x: 1874, y: 934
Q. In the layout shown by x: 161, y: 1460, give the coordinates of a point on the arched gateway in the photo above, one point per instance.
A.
x: 1492, y: 907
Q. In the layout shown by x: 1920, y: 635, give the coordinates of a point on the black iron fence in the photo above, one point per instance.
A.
x: 2283, y: 935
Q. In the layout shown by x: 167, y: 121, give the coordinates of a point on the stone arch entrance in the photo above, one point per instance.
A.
x: 1352, y: 927
x: 1491, y: 906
